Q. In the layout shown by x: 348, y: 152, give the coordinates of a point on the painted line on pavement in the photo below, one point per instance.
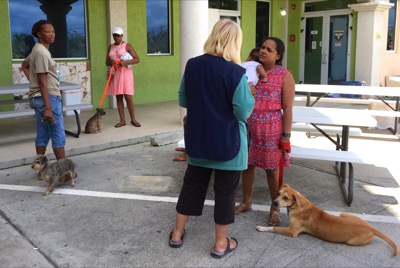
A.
x: 86, y: 193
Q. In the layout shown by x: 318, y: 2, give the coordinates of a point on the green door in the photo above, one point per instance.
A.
x: 326, y: 49
x: 313, y: 50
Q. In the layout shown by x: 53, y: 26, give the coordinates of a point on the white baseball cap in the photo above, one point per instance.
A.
x: 118, y: 30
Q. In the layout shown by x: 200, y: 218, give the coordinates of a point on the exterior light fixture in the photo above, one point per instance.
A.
x: 283, y: 12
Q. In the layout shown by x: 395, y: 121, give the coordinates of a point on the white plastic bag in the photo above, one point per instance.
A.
x: 127, y: 56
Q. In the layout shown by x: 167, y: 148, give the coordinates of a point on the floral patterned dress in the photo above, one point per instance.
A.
x: 265, y: 122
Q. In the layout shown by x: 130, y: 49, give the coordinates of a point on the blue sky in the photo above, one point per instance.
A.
x: 24, y: 13
x: 157, y: 14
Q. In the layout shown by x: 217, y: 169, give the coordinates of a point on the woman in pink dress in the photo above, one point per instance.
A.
x: 269, y: 126
x: 122, y: 55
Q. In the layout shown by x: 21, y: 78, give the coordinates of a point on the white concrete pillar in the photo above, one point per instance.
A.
x: 117, y: 17
x: 193, y: 32
x: 371, y: 40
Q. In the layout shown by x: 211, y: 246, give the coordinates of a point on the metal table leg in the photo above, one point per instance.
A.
x: 78, y: 123
x: 341, y: 170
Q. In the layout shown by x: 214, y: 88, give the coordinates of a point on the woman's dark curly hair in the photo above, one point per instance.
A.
x: 280, y: 48
x: 37, y: 27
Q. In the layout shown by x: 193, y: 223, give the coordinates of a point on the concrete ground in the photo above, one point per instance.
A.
x: 122, y: 208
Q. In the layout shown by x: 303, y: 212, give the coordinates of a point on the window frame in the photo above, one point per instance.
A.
x: 395, y: 8
x: 61, y: 59
x: 269, y: 20
x: 169, y: 13
x: 238, y: 5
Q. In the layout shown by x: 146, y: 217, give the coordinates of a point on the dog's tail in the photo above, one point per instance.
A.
x: 388, y: 240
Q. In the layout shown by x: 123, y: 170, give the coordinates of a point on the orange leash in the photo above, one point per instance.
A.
x: 108, y: 82
x: 106, y: 88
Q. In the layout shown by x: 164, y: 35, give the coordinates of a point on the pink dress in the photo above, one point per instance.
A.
x: 122, y: 81
x: 265, y: 122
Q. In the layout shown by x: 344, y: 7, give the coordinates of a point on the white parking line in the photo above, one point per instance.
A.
x: 167, y: 199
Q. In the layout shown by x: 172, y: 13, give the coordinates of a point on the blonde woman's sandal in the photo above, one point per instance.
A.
x: 242, y: 207
x: 180, y: 158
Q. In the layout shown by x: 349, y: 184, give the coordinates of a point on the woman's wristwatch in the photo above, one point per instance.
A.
x: 286, y: 134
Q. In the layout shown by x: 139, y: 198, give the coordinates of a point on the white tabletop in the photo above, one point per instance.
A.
x: 24, y: 88
x: 333, y: 116
x: 342, y: 89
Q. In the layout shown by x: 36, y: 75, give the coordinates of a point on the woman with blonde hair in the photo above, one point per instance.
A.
x: 218, y: 101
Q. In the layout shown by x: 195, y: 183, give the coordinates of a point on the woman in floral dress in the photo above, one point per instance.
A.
x: 269, y: 126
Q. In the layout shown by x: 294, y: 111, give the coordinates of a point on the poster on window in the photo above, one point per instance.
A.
x: 338, y: 35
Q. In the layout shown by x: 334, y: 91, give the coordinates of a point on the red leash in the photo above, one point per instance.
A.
x: 285, y: 146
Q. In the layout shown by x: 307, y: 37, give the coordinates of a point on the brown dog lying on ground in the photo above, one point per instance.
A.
x: 305, y: 217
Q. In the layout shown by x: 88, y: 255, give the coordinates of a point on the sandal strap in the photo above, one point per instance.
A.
x: 276, y: 221
x: 276, y: 213
x: 244, y: 207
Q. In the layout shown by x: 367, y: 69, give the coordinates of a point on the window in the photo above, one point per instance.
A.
x: 68, y: 20
x: 223, y: 4
x: 327, y: 5
x: 392, y: 26
x: 262, y: 22
x: 158, y: 27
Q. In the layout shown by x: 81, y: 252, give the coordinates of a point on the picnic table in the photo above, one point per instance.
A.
x: 383, y: 94
x: 17, y: 91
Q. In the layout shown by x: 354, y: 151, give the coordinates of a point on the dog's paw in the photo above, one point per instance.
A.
x: 45, y: 193
x: 264, y: 229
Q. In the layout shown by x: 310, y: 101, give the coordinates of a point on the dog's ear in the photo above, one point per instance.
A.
x: 294, y: 198
x: 298, y: 199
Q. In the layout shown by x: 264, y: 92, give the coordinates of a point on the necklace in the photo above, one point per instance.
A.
x: 116, y: 52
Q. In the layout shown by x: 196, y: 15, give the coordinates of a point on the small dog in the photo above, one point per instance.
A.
x: 62, y: 170
x: 93, y: 125
x: 304, y: 216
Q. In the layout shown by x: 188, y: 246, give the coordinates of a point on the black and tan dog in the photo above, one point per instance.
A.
x: 62, y: 170
x: 305, y: 217
x: 93, y: 125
